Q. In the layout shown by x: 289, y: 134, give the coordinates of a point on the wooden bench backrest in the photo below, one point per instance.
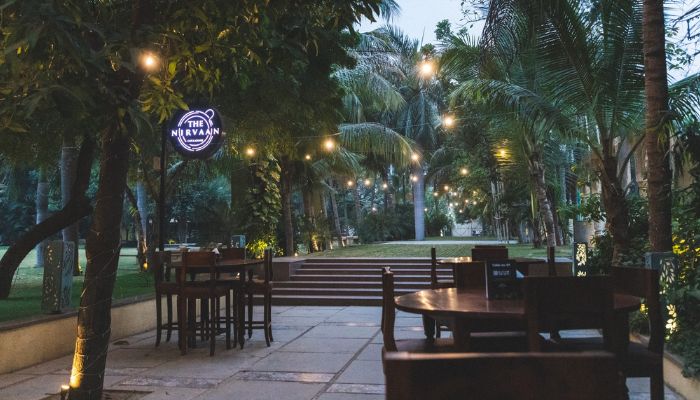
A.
x: 503, y: 376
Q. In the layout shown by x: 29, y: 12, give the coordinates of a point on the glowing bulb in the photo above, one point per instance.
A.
x: 385, y: 186
x: 374, y: 209
x: 368, y: 182
x: 296, y: 254
x: 149, y: 61
x: 427, y: 68
x: 447, y: 188
x: 307, y: 157
x: 464, y: 171
x: 448, y: 121
x: 425, y: 209
x: 502, y: 152
x: 435, y: 194
x: 461, y: 211
x: 415, y: 157
x: 414, y: 178
x: 350, y: 183
x: 329, y: 144
x: 249, y: 151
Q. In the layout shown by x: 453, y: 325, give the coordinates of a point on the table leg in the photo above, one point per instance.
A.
x: 429, y: 327
x: 192, y: 323
x: 621, y: 333
x: 241, y: 317
x: 460, y: 334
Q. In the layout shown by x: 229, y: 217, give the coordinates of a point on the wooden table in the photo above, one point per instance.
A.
x: 470, y: 310
x: 233, y: 266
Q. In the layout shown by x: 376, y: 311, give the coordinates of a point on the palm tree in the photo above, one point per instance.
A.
x: 593, y: 91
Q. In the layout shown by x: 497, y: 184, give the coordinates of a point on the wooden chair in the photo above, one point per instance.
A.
x: 470, y: 275
x: 262, y: 287
x: 480, y: 253
x: 208, y: 290
x: 236, y: 283
x: 436, y: 283
x: 161, y: 264
x: 505, y: 376
x: 641, y: 360
x: 389, y: 319
x: 553, y: 304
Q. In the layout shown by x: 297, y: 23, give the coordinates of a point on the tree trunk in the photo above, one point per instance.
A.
x: 616, y: 210
x: 286, y: 192
x: 358, y: 207
x: 419, y: 202
x: 336, y: 218
x: 542, y: 199
x: 141, y: 245
x: 78, y: 207
x: 659, y: 178
x: 42, y: 212
x: 102, y: 249
x: 69, y: 158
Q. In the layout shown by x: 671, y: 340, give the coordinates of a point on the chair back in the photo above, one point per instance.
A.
x: 503, y: 376
x: 543, y: 269
x: 388, y: 309
x: 433, y: 269
x: 267, y: 265
x: 233, y: 253
x: 160, y: 263
x: 643, y: 282
x: 470, y: 275
x: 560, y: 303
x: 197, y: 262
x: 489, y: 253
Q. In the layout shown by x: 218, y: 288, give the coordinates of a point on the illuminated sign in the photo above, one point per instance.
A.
x: 196, y: 133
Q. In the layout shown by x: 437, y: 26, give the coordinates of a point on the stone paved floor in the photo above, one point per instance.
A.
x: 319, y: 353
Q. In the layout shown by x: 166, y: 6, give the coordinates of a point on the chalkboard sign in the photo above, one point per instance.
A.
x: 501, y: 280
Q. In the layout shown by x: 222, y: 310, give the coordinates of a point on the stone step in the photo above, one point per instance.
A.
x: 295, y: 300
x: 366, y: 265
x: 366, y: 278
x: 368, y: 260
x: 335, y: 292
x: 367, y: 271
x: 349, y: 284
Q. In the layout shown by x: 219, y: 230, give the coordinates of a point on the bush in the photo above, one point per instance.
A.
x: 385, y: 225
x: 437, y: 221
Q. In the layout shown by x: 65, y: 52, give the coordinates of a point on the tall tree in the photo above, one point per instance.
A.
x: 659, y: 178
x: 42, y: 211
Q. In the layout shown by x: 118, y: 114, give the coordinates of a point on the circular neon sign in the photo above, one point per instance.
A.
x: 196, y: 133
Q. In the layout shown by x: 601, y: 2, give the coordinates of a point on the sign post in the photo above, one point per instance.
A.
x: 196, y: 133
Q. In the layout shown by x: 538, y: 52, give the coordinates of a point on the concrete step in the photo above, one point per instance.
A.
x: 366, y: 278
x: 366, y: 265
x: 370, y: 260
x: 335, y: 292
x: 295, y: 300
x: 349, y: 284
x: 367, y: 271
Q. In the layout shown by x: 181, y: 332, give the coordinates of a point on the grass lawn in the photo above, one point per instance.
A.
x: 423, y: 250
x: 25, y: 296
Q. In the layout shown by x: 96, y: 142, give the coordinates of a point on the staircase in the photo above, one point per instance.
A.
x: 352, y: 281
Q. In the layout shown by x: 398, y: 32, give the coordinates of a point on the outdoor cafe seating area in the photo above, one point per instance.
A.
x: 497, y: 329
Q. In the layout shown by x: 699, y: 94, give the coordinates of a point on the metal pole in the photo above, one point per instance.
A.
x: 161, y: 201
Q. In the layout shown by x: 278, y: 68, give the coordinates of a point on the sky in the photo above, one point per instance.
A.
x: 418, y: 19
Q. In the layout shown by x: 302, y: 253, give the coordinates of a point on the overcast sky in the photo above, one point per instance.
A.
x: 418, y: 19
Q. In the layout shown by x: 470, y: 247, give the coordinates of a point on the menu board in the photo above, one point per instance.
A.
x: 501, y: 280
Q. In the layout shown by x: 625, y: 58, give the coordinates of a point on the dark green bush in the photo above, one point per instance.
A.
x: 384, y: 225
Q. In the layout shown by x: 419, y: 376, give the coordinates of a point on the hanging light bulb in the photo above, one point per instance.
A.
x: 368, y: 182
x: 329, y: 144
x: 307, y: 157
x: 447, y: 188
x: 350, y: 183
x: 385, y: 186
x: 464, y: 171
x: 250, y: 151
x: 414, y: 178
x: 415, y: 157
x: 435, y: 194
x: 448, y: 121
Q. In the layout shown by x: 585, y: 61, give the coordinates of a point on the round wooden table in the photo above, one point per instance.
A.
x: 470, y: 310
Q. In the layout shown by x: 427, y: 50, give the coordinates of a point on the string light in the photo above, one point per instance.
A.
x: 368, y: 182
x: 425, y: 209
x: 502, y: 152
x: 350, y: 183
x: 415, y: 157
x: 448, y: 121
x: 249, y: 151
x: 374, y: 209
x: 447, y: 188
x: 149, y: 61
x: 414, y: 178
x: 464, y: 171
x: 329, y: 144
x: 385, y: 186
x: 435, y: 194
x: 307, y: 157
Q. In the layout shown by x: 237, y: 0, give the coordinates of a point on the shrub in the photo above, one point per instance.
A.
x: 384, y: 225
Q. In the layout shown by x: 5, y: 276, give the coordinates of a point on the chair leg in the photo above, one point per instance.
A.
x: 266, y: 319
x: 212, y: 325
x: 250, y: 315
x: 159, y: 317
x: 204, y: 316
x: 234, y: 317
x: 228, y: 320
x: 438, y: 329
x: 169, y: 327
x: 241, y: 318
x: 182, y: 325
x: 269, y: 316
x: 657, y: 385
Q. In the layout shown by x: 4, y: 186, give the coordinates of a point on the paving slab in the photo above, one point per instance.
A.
x: 323, y: 345
x: 262, y: 390
x: 342, y: 332
x: 303, y: 362
x: 348, y: 396
x: 363, y: 372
